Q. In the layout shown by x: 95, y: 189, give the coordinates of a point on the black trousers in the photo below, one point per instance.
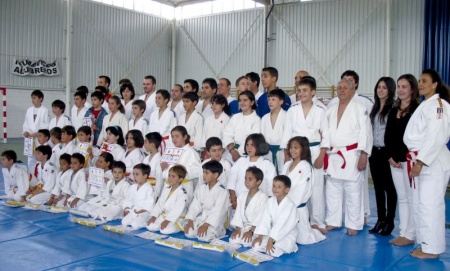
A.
x: 385, y: 193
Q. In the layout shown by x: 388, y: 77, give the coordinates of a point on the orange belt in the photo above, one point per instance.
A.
x: 348, y: 148
x: 411, y: 161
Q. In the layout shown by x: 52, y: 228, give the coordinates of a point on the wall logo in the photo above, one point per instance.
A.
x: 40, y: 67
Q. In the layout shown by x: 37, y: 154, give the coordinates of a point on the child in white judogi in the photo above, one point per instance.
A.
x: 47, y: 173
x: 192, y: 120
x: 108, y: 204
x: 207, y: 212
x: 277, y: 225
x: 249, y: 207
x: 140, y: 200
x: 62, y: 181
x: 272, y: 127
x: 138, y: 122
x: 216, y: 123
x: 113, y: 144
x: 115, y: 118
x: 134, y: 155
x: 162, y: 120
x: 36, y: 118
x: 68, y: 145
x: 78, y: 186
x: 60, y: 120
x: 215, y: 152
x: 300, y: 171
x: 151, y: 144
x: 15, y: 177
x: 167, y: 215
x: 308, y: 119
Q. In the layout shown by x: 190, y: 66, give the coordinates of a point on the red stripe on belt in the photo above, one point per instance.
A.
x: 411, y: 161
x: 348, y: 148
x: 163, y: 144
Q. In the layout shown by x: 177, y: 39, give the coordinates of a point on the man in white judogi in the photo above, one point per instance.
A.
x: 149, y: 96
x: 346, y: 159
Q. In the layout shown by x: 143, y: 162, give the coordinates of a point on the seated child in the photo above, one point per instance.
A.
x: 109, y: 206
x: 249, y: 206
x: 277, y: 225
x: 64, y: 175
x: 140, y: 200
x: 166, y: 215
x: 207, y: 212
x: 15, y: 177
x: 215, y: 152
x: 133, y: 155
x: 47, y: 173
x: 151, y: 144
x: 78, y: 186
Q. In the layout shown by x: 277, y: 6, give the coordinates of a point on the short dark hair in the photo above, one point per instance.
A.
x: 151, y: 77
x: 10, y: 155
x: 154, y: 138
x: 220, y: 99
x: 213, y: 141
x: 180, y: 86
x: 278, y: 93
x: 257, y: 172
x: 140, y: 103
x: 45, y: 132
x: 45, y: 150
x: 213, y: 166
x: 83, y: 89
x: 66, y: 157
x: 272, y: 71
x: 117, y: 131
x: 38, y: 94
x: 107, y: 79
x: 144, y: 168
x: 164, y: 93
x: 179, y: 170
x: 130, y: 87
x: 56, y: 132
x: 85, y: 129
x: 211, y: 82
x: 119, y: 164
x: 309, y: 81
x: 259, y: 141
x: 108, y: 157
x: 102, y: 89
x: 79, y: 157
x: 284, y: 179
x: 98, y: 94
x: 124, y: 80
x: 193, y: 83
x: 254, y: 77
x: 192, y: 96
x: 70, y: 130
x: 226, y: 80
x: 137, y: 137
x: 240, y: 79
x: 59, y: 104
x: 352, y: 74
x: 80, y: 94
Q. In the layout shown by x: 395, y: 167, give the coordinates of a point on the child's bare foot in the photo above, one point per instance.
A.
x: 415, y: 252
x: 351, y: 232
x: 423, y: 255
x: 322, y: 230
x: 330, y: 228
x: 402, y: 241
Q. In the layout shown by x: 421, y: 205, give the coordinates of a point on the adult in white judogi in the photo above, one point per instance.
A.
x: 77, y: 116
x: 108, y: 204
x: 132, y: 158
x: 35, y: 119
x: 128, y: 108
x: 118, y: 119
x: 60, y: 122
x: 208, y: 206
x: 426, y: 136
x: 78, y: 188
x: 246, y: 214
x: 236, y: 180
x: 139, y: 198
x: 273, y: 136
x: 178, y: 109
x: 47, y: 179
x: 302, y: 183
x: 194, y: 127
x: 150, y: 104
x: 16, y: 181
x: 63, y: 180
x: 279, y: 222
x: 171, y: 206
x: 141, y: 124
x: 163, y: 125
x: 346, y: 159
x: 238, y: 128
x: 208, y: 109
x: 214, y: 127
x: 314, y: 127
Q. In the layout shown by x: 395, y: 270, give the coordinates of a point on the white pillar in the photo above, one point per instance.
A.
x: 68, y: 53
x: 174, y: 51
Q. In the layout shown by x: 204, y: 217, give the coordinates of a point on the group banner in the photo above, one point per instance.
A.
x: 40, y: 67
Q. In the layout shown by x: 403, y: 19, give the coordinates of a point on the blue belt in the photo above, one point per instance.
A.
x: 274, y: 149
x: 302, y: 205
x: 313, y: 144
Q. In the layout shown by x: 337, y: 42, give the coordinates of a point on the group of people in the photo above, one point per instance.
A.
x: 277, y: 170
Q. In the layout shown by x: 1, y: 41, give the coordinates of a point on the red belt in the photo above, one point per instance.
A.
x: 411, y: 161
x: 348, y: 148
x: 163, y: 144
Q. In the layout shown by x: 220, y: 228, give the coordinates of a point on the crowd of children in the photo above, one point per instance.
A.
x: 174, y: 162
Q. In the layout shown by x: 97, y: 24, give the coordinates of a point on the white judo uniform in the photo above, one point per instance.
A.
x: 150, y: 105
x: 426, y: 136
x: 238, y: 128
x: 171, y: 206
x: 35, y: 119
x: 128, y: 108
x: 273, y: 136
x: 78, y: 188
x: 139, y: 198
x: 155, y: 177
x: 77, y: 117
x: 348, y: 140
x: 16, y: 182
x: 302, y: 183
x: 194, y: 127
x: 68, y: 148
x: 132, y: 158
x: 62, y: 181
x: 163, y: 125
x: 116, y: 150
x: 279, y: 222
x: 224, y: 176
x: 141, y: 124
x: 208, y: 206
x: 245, y: 216
x: 314, y: 127
x: 214, y: 127
x: 118, y: 119
x: 61, y: 122
x: 46, y: 179
x: 236, y: 180
x: 205, y: 112
x: 178, y: 109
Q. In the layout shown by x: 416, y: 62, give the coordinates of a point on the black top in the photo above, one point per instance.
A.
x: 395, y: 129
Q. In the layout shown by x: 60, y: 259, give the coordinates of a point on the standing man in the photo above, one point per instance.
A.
x: 209, y: 89
x: 300, y: 74
x: 190, y: 85
x: 176, y: 103
x: 254, y: 84
x: 105, y: 82
x: 224, y: 88
x: 149, y: 96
